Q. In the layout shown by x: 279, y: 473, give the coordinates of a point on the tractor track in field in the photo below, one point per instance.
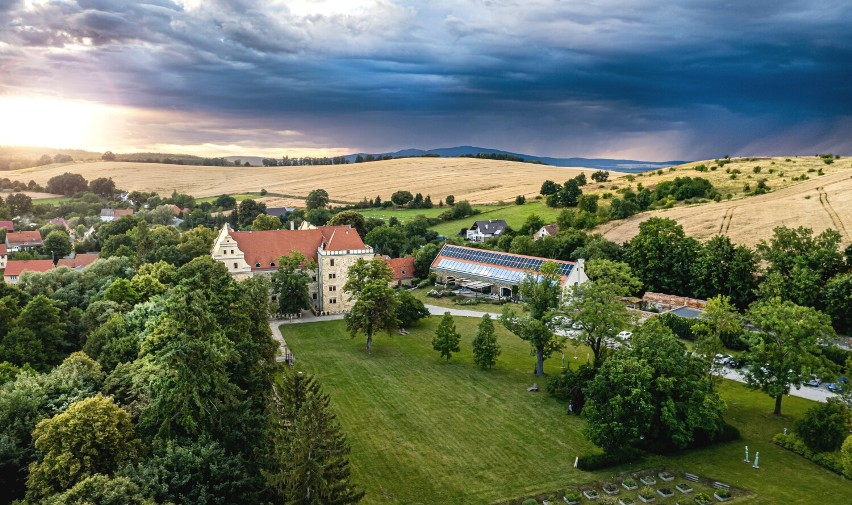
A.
x: 835, y: 218
x: 726, y: 220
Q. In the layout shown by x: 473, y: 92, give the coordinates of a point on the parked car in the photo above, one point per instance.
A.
x: 835, y: 387
x: 722, y: 359
x: 814, y: 381
x: 735, y: 363
x: 624, y: 335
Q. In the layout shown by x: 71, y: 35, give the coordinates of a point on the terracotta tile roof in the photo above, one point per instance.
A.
x: 2, y: 249
x: 24, y: 237
x: 341, y: 238
x: 403, y: 268
x: 9, y: 225
x: 79, y: 261
x: 266, y: 247
x: 175, y: 209
x: 119, y: 213
x: 16, y: 267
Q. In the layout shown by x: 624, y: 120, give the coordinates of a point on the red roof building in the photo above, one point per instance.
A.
x: 14, y: 268
x: 549, y: 230
x: 23, y: 240
x: 9, y: 225
x: 262, y: 249
x: 79, y: 261
x: 403, y: 270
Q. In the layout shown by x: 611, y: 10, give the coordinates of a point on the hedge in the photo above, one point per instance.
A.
x: 830, y: 460
x: 609, y: 459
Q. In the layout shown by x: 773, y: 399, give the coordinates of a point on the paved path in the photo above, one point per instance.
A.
x: 819, y: 394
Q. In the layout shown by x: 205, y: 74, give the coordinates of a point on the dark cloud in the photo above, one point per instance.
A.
x: 692, y: 79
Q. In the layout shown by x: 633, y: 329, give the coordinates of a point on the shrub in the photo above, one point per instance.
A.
x: 629, y: 482
x: 680, y: 326
x: 647, y: 492
x: 610, y: 459
x: 530, y: 501
x: 573, y: 495
x: 791, y: 442
x: 723, y: 493
x: 846, y: 456
x: 703, y: 499
x: 824, y: 426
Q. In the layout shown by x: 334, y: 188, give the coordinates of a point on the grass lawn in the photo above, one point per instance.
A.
x: 423, y: 430
x: 238, y: 197
x: 448, y: 302
x: 54, y: 200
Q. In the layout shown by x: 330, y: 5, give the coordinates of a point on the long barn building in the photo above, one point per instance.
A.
x: 496, y: 272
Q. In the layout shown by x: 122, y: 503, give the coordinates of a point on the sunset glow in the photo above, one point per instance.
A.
x: 53, y: 122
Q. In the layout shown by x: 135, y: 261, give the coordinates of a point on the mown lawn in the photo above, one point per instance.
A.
x: 426, y: 431
x: 237, y: 196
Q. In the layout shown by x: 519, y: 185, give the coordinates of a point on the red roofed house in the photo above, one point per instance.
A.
x: 403, y: 270
x: 108, y: 215
x: 9, y: 225
x: 3, y: 256
x: 333, y: 248
x: 79, y: 261
x: 23, y: 240
x: 14, y: 268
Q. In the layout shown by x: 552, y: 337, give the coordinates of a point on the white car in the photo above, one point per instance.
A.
x: 624, y: 335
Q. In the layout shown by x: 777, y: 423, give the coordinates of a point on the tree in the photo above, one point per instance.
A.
x: 531, y: 225
x: 108, y: 156
x: 837, y: 300
x: 93, y: 436
x: 225, y: 202
x: 595, y: 308
x: 19, y: 204
x: 351, y: 218
x: 375, y: 307
x: 784, y: 348
x: 652, y: 394
x: 410, y: 309
x: 67, y: 184
x: 569, y: 195
x: 58, y: 245
x: 446, y: 339
x: 661, y: 256
x: 387, y: 240
x: 310, y: 454
x: 317, y: 199
x: 101, y: 490
x: 424, y: 258
x: 248, y: 210
x: 720, y: 325
x: 193, y: 471
x: 401, y: 198
x: 825, y: 426
x: 485, y: 346
x: 722, y: 268
x: 451, y: 200
x: 600, y: 176
x: 264, y: 222
x: 102, y: 187
x: 42, y: 317
x: 846, y: 456
x: 290, y: 283
x: 541, y: 294
x: 549, y: 188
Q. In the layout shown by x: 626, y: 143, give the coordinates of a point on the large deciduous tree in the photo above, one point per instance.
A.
x: 783, y: 349
x: 652, y: 395
x: 265, y: 222
x: 290, y: 283
x: 661, y: 255
x: 375, y: 306
x: 410, y: 309
x: 317, y: 199
x: 93, y: 436
x: 540, y: 292
x: 350, y: 217
x: 58, y: 245
x: 310, y: 454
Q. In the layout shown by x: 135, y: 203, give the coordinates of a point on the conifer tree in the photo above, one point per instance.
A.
x: 485, y: 346
x: 446, y: 340
x: 310, y: 452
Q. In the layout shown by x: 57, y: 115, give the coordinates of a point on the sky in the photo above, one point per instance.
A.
x: 640, y: 79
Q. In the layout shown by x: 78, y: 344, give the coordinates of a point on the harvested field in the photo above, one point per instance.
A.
x: 480, y: 181
x: 819, y: 203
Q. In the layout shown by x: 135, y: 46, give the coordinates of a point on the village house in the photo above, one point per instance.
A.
x: 548, y: 230
x: 14, y: 268
x: 9, y: 225
x: 484, y: 230
x: 403, y: 271
x: 332, y: 248
x: 108, y: 215
x: 79, y: 261
x: 4, y: 256
x: 23, y: 241
x: 497, y: 273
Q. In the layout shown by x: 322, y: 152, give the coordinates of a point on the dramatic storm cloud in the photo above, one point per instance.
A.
x: 645, y: 79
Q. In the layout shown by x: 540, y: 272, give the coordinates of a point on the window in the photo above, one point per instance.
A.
x: 235, y: 265
x: 331, y: 262
x: 332, y: 288
x: 257, y: 265
x: 314, y: 296
x: 332, y: 300
x: 332, y: 276
x: 272, y: 264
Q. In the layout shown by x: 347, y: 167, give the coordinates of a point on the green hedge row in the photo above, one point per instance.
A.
x: 830, y: 460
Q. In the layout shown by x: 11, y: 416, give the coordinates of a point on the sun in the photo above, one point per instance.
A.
x: 51, y: 122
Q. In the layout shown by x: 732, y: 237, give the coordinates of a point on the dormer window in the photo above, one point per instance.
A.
x: 272, y: 264
x: 257, y: 265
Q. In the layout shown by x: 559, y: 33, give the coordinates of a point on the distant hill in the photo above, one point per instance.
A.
x: 631, y: 166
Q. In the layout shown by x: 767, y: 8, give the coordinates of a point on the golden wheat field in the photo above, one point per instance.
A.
x: 818, y: 203
x: 479, y: 181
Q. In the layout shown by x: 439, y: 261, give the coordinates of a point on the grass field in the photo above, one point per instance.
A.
x: 480, y: 181
x: 424, y: 431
